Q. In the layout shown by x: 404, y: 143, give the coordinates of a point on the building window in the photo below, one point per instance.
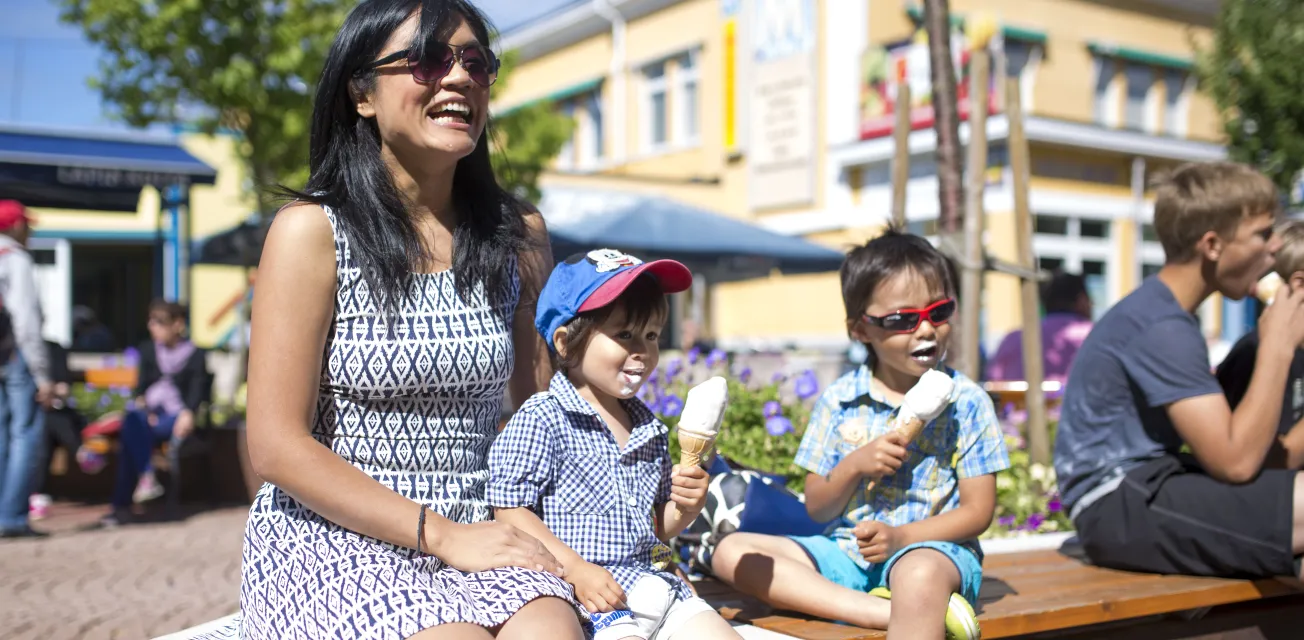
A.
x: 1106, y: 93
x: 1137, y: 113
x: 686, y: 109
x: 597, y: 141
x: 1022, y: 59
x: 1077, y: 245
x: 585, y: 148
x: 655, y: 130
x: 1176, y: 101
x: 566, y: 157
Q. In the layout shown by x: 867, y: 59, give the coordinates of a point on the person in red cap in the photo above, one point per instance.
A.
x: 585, y: 466
x: 26, y: 373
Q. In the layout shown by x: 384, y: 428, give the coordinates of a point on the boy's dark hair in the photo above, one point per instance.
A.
x: 894, y: 252
x: 1200, y: 197
x: 642, y: 301
x: 172, y: 310
x: 1063, y: 291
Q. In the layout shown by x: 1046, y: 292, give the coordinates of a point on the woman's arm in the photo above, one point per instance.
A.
x: 293, y: 307
x: 533, y: 368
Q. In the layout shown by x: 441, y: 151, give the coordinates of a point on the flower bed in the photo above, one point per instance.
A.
x: 765, y: 420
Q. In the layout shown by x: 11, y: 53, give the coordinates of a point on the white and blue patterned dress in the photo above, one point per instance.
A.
x: 414, y: 403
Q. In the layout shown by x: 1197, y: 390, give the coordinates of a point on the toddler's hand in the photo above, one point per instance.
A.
x: 882, y: 456
x: 877, y: 541
x: 688, y: 488
x: 595, y: 588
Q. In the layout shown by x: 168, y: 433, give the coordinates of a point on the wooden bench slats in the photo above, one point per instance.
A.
x: 1032, y: 592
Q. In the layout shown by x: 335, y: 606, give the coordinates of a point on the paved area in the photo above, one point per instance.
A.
x: 137, y: 581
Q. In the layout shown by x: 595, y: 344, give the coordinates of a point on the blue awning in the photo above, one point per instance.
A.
x: 650, y: 227
x: 45, y: 168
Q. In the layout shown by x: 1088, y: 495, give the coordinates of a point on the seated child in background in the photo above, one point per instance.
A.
x: 585, y: 466
x: 1236, y: 369
x: 911, y: 511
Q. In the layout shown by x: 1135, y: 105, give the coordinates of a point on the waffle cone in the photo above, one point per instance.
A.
x: 693, y: 447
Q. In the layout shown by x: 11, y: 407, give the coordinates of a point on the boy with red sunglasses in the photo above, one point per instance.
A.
x: 902, y: 549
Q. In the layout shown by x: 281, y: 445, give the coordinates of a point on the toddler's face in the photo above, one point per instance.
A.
x: 620, y: 356
x: 904, y: 354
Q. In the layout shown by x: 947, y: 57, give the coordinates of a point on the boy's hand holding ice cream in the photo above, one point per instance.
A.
x: 922, y: 404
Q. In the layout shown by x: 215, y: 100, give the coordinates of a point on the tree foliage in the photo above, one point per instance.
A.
x: 250, y: 67
x: 526, y: 139
x: 1252, y: 72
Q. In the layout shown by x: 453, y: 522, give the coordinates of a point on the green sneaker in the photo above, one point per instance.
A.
x: 961, y: 621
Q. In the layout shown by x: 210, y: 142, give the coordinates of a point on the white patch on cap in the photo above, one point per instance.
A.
x: 609, y: 260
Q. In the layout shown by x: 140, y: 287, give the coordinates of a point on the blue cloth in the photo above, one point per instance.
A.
x: 965, y: 441
x: 557, y: 457
x: 22, y: 442
x: 1144, y: 354
x: 839, y: 569
x: 591, y: 281
x: 774, y: 510
x: 136, y: 442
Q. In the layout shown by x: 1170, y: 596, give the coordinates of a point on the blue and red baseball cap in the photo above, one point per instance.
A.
x: 588, y: 281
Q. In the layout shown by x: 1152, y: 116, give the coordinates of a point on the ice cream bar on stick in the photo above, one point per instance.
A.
x: 699, y: 424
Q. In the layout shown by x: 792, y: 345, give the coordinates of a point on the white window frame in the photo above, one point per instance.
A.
x: 649, y: 87
x: 681, y: 114
x: 1107, y: 109
x: 588, y: 140
x: 1073, y: 250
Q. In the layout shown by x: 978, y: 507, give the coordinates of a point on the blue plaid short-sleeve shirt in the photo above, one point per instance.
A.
x: 964, y: 442
x: 558, y: 458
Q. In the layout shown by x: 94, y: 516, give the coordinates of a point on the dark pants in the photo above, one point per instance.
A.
x: 63, y: 429
x: 137, y: 440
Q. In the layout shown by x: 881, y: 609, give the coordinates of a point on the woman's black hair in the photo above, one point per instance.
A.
x: 348, y: 175
x: 894, y: 252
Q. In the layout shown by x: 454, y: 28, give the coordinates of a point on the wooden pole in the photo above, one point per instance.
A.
x: 1038, y: 435
x: 901, y: 161
x: 971, y: 281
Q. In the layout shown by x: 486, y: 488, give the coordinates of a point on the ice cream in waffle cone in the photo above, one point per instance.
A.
x: 699, y: 424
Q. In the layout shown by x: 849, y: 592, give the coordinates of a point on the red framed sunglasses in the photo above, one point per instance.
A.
x: 478, y: 61
x: 908, y: 320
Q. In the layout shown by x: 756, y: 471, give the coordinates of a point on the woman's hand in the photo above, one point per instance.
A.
x: 490, y: 545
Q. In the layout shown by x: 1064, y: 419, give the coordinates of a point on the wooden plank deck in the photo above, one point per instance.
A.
x: 1035, y: 592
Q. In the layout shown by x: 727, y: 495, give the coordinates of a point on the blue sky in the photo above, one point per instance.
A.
x: 44, y: 65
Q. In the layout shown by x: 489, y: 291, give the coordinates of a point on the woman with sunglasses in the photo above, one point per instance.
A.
x: 901, y: 551
x: 394, y: 307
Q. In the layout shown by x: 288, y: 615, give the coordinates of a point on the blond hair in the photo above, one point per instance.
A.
x: 1290, y: 258
x: 1200, y: 197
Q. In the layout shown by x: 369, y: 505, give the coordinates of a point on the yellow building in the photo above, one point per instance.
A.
x: 779, y: 112
x: 114, y: 213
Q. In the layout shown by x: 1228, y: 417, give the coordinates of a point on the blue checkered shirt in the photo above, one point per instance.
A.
x: 964, y: 442
x: 557, y: 457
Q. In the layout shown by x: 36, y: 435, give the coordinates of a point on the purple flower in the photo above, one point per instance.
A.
x: 807, y: 385
x: 674, y: 368
x: 90, y: 387
x: 1054, y: 506
x: 745, y: 375
x: 130, y: 406
x: 771, y: 409
x: 716, y: 358
x: 778, y: 377
x: 105, y: 401
x: 654, y: 377
x: 71, y: 402
x: 778, y: 425
x: 131, y: 356
x: 1005, y: 521
x: 1035, y: 520
x: 671, y: 406
x: 694, y: 355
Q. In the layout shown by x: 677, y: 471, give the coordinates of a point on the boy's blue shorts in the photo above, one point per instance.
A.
x: 834, y: 563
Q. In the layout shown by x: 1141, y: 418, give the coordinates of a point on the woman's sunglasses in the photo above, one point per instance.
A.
x: 908, y: 320
x: 478, y: 62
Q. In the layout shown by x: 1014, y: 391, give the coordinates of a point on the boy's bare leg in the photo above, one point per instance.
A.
x: 777, y: 570
x: 922, y: 582
x: 1297, y: 537
x: 707, y: 625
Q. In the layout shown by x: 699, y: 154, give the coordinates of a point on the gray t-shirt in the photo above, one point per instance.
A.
x: 1147, y: 352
